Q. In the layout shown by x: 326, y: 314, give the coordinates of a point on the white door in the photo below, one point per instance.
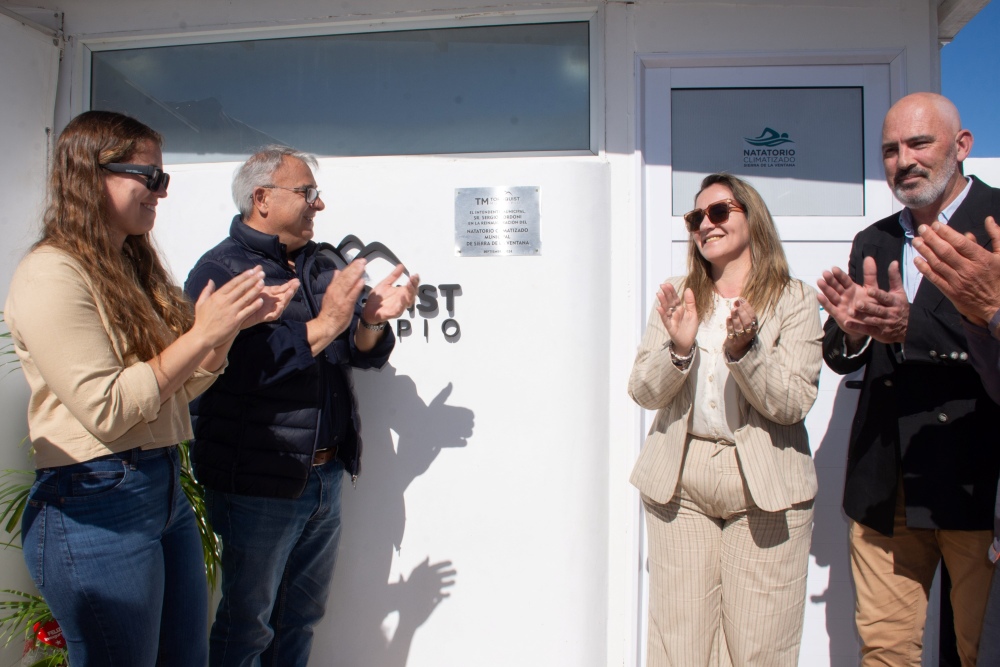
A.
x: 761, y: 118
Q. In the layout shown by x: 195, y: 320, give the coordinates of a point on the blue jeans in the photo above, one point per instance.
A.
x: 277, y: 563
x: 113, y: 546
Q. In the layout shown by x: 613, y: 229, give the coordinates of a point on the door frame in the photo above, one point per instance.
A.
x: 881, y: 75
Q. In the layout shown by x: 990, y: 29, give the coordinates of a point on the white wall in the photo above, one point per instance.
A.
x: 507, y: 452
x: 986, y: 168
x: 26, y: 109
x: 488, y: 452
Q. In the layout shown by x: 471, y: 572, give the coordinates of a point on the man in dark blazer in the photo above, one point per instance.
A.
x: 922, y: 464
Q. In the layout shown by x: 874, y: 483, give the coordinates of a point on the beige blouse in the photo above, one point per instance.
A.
x: 716, y: 413
x: 86, y: 400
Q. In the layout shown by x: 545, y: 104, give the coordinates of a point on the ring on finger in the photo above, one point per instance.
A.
x: 739, y: 332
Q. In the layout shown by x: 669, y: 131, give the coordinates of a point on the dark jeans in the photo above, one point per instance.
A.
x: 277, y: 564
x: 113, y: 547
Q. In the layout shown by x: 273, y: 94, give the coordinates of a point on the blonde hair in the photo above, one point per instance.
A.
x: 768, y: 275
x: 143, y: 304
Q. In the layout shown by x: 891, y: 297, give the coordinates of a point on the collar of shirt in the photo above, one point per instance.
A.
x: 906, y: 217
x: 912, y: 277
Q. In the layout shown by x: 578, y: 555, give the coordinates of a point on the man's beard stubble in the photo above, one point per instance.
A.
x: 930, y: 191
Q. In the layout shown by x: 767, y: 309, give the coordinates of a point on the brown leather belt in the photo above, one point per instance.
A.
x: 324, y: 456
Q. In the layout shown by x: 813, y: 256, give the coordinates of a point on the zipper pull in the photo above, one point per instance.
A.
x: 354, y: 481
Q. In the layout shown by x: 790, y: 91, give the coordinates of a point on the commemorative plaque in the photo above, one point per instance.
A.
x: 497, y: 221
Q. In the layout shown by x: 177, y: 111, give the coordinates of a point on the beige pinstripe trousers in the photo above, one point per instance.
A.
x: 727, y: 579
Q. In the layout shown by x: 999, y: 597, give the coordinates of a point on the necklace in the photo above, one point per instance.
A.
x: 728, y: 300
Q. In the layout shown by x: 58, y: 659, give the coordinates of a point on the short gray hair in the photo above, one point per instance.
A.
x: 259, y: 170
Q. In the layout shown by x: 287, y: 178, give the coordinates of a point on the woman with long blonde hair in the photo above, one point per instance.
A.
x: 113, y: 353
x: 730, y: 361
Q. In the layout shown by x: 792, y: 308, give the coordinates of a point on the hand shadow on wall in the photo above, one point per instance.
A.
x: 830, y: 530
x: 371, y: 621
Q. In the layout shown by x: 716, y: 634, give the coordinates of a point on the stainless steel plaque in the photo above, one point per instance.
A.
x: 497, y: 221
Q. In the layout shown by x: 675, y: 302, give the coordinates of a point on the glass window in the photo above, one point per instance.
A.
x: 802, y: 148
x: 452, y: 90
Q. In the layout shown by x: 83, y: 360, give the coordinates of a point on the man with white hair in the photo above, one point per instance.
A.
x: 276, y: 433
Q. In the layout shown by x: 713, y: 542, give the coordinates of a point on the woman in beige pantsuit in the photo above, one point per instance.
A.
x: 730, y: 361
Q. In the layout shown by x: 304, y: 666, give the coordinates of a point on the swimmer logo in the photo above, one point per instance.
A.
x: 764, y: 154
x: 769, y: 138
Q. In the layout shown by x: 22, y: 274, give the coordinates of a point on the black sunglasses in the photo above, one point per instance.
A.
x: 156, y: 178
x: 717, y: 212
x: 310, y: 193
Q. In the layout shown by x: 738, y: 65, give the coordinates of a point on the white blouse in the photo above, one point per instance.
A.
x: 715, y: 414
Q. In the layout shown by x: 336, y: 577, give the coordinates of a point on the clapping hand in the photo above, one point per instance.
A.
x: 387, y: 301
x: 680, y: 318
x: 275, y: 298
x: 866, y: 310
x: 741, y: 329
x: 964, y: 271
x: 219, y: 313
x: 337, y: 307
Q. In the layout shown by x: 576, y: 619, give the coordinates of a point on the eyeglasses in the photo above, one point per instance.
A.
x: 717, y: 212
x: 156, y: 178
x: 311, y: 194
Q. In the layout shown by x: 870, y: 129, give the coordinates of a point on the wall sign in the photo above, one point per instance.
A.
x: 381, y: 261
x: 428, y: 298
x: 497, y: 221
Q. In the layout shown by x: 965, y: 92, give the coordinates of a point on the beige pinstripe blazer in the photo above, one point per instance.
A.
x: 777, y: 380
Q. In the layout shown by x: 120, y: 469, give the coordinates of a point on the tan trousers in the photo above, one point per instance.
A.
x: 727, y: 580
x: 892, y: 579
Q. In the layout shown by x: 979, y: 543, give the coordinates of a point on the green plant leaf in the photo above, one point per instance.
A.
x: 18, y: 616
x: 14, y: 488
x: 8, y: 357
x: 211, y: 545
